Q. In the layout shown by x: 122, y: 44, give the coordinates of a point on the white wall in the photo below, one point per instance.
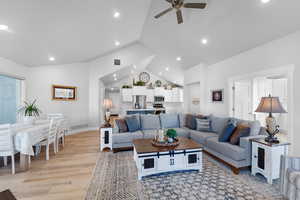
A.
x: 41, y: 79
x: 195, y: 75
x: 278, y: 53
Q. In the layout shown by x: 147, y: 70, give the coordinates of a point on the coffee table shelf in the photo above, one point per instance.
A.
x: 152, y: 160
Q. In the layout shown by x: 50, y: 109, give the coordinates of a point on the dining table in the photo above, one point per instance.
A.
x: 26, y: 136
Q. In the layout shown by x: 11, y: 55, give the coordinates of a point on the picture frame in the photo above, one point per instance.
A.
x: 64, y: 93
x: 217, y: 96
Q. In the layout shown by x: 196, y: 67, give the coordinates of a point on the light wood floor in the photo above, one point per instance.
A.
x: 65, y: 176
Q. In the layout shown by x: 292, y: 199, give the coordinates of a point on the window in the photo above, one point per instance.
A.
x: 248, y: 93
x: 274, y: 86
x: 10, y: 99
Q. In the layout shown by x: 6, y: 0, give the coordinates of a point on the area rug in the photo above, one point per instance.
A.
x: 115, y: 178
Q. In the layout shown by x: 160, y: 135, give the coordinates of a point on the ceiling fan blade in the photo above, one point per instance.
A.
x: 170, y: 1
x: 195, y: 5
x: 163, y: 12
x: 179, y: 16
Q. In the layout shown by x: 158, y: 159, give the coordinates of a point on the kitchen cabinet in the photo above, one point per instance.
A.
x: 171, y: 96
x: 126, y: 95
x: 159, y: 91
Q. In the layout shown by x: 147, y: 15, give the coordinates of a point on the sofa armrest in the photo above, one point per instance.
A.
x: 245, y: 141
x: 287, y: 163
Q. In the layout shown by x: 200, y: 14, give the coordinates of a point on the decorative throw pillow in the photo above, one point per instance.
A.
x: 121, y: 123
x: 132, y: 123
x: 203, y: 125
x: 241, y: 130
x: 227, y: 132
x: 189, y: 121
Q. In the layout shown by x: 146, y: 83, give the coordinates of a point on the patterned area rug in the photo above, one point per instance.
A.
x: 115, y: 177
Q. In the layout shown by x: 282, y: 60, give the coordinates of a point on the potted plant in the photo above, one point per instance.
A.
x: 172, y: 134
x: 30, y: 111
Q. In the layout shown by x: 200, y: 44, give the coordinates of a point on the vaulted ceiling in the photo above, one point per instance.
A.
x: 69, y: 30
x: 77, y: 30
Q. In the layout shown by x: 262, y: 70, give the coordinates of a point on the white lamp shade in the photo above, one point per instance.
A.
x: 107, y: 103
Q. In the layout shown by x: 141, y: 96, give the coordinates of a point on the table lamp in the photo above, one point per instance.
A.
x: 107, y: 104
x: 271, y: 105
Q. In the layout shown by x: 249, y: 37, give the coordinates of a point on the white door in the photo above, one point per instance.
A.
x: 242, y: 100
x: 193, y: 97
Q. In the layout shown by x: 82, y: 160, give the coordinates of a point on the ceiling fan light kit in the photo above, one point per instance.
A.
x: 177, y: 5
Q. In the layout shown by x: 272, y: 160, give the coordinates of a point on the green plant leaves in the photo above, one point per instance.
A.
x: 30, y: 109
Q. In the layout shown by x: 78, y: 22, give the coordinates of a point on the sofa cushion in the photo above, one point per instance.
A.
x: 218, y: 123
x: 169, y: 120
x: 132, y: 123
x: 232, y: 151
x: 149, y: 134
x: 122, y: 125
x: 201, y: 137
x: 182, y: 132
x: 150, y: 122
x: 240, y: 131
x: 181, y: 120
x: 227, y: 132
x: 190, y: 121
x: 203, y: 125
x: 255, y: 126
x: 126, y: 137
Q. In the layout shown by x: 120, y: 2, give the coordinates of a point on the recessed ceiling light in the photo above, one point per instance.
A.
x: 132, y: 72
x: 116, y: 14
x: 112, y: 89
x: 117, y: 43
x: 114, y: 75
x: 51, y: 58
x: 265, y: 1
x: 115, y: 79
x: 178, y: 58
x: 134, y: 66
x: 3, y: 27
x: 167, y: 68
x: 160, y: 73
x: 204, y: 41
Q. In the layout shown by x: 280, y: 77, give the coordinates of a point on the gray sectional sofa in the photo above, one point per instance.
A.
x: 236, y: 156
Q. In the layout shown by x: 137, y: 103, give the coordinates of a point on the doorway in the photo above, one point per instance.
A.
x: 193, y: 94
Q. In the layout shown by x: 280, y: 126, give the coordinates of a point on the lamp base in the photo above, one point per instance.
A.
x: 271, y: 139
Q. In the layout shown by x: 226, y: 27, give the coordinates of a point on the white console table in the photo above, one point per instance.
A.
x: 152, y: 160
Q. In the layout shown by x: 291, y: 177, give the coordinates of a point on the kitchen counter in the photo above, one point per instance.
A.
x: 145, y: 111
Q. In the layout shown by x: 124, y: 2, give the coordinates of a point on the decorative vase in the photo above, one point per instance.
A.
x: 161, y: 135
x: 29, y: 120
x: 170, y: 140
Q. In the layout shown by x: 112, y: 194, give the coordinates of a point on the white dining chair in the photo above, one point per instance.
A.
x: 60, y: 136
x: 7, y: 145
x: 51, y: 139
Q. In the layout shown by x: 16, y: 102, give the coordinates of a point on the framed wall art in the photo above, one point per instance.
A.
x: 64, y: 93
x: 217, y: 96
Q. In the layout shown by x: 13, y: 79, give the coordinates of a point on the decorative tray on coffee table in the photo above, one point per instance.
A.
x: 165, y: 144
